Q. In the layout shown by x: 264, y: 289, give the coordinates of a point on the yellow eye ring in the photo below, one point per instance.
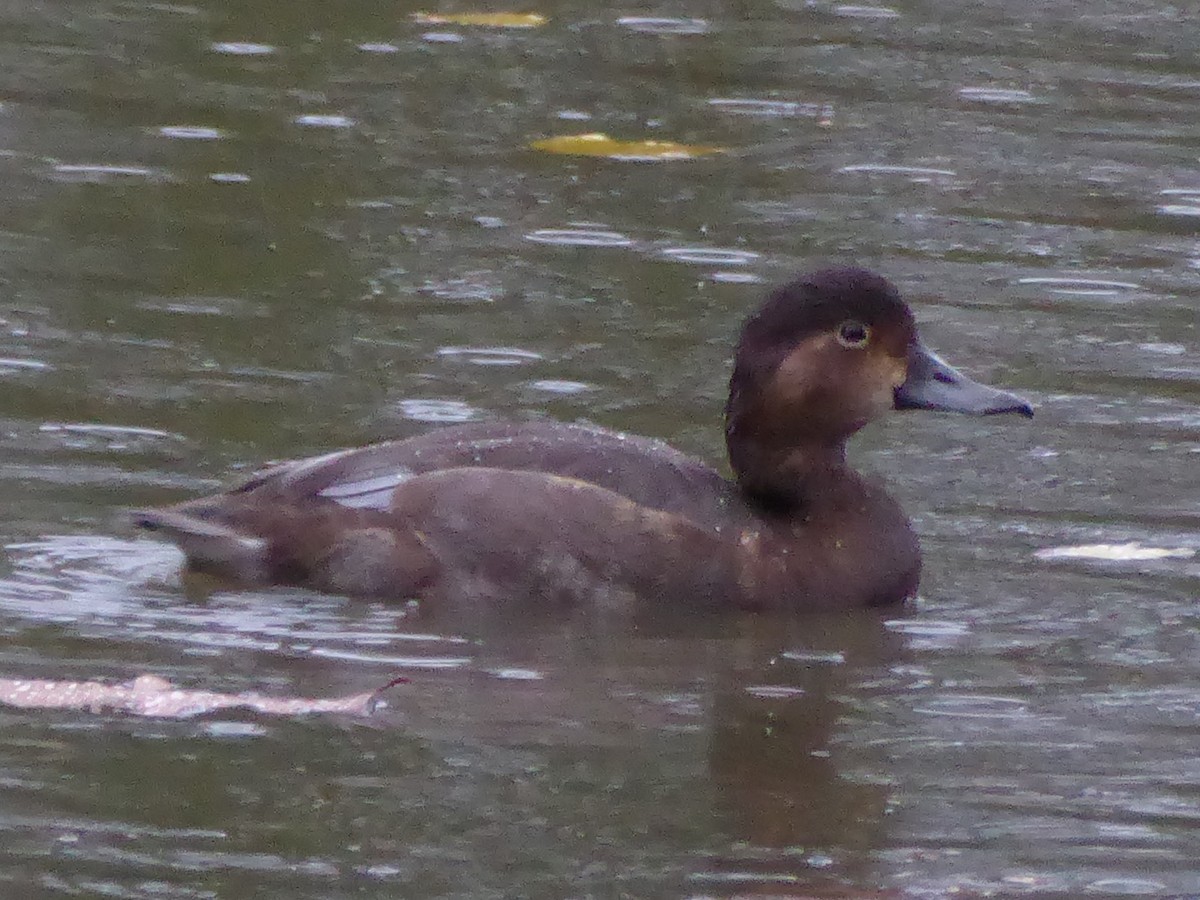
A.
x: 853, y: 335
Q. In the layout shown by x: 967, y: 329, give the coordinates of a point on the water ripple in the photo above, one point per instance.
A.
x: 99, y: 173
x: 442, y: 37
x: 736, y: 278
x: 460, y: 290
x: 866, y: 12
x: 710, y: 256
x: 490, y: 356
x: 191, y: 133
x: 324, y: 120
x: 33, y: 365
x: 772, y: 108
x: 560, y: 387
x: 1125, y: 887
x: 1187, y: 210
x: 1130, y: 552
x: 241, y: 48
x: 428, y: 663
x: 914, y: 172
x: 422, y: 410
x: 649, y: 25
x: 112, y: 437
x: 997, y: 96
x: 1080, y: 287
x: 102, y: 586
x: 579, y: 237
x: 971, y: 706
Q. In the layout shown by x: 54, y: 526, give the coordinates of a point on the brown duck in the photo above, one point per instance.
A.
x: 568, y: 513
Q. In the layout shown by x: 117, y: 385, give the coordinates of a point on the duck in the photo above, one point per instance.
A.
x: 566, y: 514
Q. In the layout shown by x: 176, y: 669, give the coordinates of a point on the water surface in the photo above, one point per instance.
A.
x: 233, y: 236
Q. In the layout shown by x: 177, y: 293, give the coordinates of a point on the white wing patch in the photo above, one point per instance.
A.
x: 367, y: 493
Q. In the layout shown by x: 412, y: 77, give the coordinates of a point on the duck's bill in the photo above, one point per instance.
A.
x: 933, y: 383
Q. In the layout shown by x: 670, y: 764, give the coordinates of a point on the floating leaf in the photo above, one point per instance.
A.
x: 483, y: 19
x: 602, y: 145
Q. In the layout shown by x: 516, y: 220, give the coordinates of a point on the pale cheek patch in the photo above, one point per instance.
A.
x: 862, y: 380
x: 885, y: 374
x: 801, y: 369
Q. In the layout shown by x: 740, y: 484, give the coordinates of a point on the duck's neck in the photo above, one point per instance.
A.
x: 784, y: 474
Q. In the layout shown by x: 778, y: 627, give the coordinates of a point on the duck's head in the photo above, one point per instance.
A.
x: 824, y: 355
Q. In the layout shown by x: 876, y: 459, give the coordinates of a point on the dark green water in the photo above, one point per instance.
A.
x: 235, y: 233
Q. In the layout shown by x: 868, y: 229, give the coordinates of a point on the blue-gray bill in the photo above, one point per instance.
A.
x: 933, y: 383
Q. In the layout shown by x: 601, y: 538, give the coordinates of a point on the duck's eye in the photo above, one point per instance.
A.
x: 853, y: 335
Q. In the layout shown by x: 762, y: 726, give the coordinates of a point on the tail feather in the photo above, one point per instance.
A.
x: 317, y: 545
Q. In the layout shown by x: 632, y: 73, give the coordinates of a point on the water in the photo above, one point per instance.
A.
x: 231, y: 237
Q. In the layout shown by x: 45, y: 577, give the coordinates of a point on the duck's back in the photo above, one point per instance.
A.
x: 645, y: 471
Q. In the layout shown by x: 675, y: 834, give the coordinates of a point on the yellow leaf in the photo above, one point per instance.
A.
x: 486, y: 20
x: 602, y: 145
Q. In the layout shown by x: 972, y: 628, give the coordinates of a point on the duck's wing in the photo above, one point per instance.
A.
x: 647, y: 471
x: 334, y: 521
x: 465, y: 534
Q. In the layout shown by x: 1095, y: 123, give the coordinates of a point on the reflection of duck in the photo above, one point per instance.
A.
x: 780, y: 746
x: 569, y: 512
